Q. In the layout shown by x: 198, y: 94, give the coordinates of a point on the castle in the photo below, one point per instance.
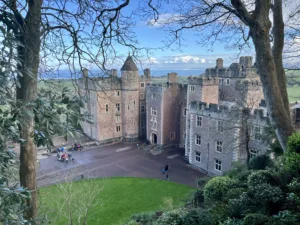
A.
x: 217, y: 118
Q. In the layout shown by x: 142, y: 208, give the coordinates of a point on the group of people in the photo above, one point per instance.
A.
x: 63, y: 156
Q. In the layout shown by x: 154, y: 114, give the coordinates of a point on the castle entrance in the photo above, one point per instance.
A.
x: 154, y: 138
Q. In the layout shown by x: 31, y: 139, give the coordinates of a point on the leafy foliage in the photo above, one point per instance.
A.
x: 217, y: 187
x: 260, y: 162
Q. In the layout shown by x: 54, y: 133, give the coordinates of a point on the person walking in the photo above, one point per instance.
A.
x: 166, y: 169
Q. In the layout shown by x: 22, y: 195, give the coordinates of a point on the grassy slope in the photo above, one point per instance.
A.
x: 119, y: 198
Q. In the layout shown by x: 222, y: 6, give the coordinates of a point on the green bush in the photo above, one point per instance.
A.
x: 260, y: 162
x: 231, y: 221
x: 173, y: 217
x: 266, y: 197
x: 291, y: 161
x: 217, y: 187
x: 293, y: 144
x: 261, y: 177
x: 257, y: 219
x: 240, y: 206
x: 197, y: 217
x: 143, y: 218
x: 202, y: 181
x: 239, y: 171
x: 198, y: 198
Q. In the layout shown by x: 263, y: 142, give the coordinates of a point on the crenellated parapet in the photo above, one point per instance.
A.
x: 242, y: 69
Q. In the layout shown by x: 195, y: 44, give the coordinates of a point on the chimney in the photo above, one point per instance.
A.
x: 219, y: 63
x: 114, y: 73
x: 172, y: 78
x: 246, y: 61
x: 147, y: 72
x: 85, y: 73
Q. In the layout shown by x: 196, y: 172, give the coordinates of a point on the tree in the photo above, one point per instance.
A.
x: 238, y: 21
x: 67, y: 31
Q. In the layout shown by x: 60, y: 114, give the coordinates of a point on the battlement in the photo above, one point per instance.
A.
x: 197, y: 106
x: 236, y: 70
x: 248, y: 83
x: 203, y: 80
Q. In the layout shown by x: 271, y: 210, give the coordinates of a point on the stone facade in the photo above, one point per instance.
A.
x: 217, y: 135
x: 115, y: 104
x: 202, y: 115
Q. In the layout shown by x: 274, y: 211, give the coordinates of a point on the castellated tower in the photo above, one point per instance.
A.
x: 130, y: 100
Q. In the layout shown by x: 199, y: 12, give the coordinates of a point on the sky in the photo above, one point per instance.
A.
x: 191, y: 56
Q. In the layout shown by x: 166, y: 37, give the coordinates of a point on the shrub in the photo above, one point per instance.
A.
x: 173, y: 217
x: 198, y: 198
x: 267, y: 198
x: 142, y: 218
x: 293, y: 144
x: 260, y: 177
x: 257, y: 219
x: 233, y: 221
x: 291, y: 161
x: 197, y: 217
x: 202, y: 181
x: 240, y: 206
x: 239, y: 171
x: 217, y: 187
x: 260, y: 162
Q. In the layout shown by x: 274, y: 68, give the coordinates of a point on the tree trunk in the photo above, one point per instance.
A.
x: 278, y: 35
x: 278, y: 115
x: 29, y: 56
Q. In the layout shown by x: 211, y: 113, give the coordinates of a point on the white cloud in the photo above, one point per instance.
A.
x: 164, y: 19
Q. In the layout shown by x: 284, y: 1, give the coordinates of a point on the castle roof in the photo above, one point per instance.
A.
x: 129, y: 65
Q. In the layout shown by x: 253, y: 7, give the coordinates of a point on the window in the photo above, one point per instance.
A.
x: 118, y: 93
x: 199, y: 121
x: 227, y: 81
x: 192, y: 88
x: 172, y: 135
x: 142, y: 95
x: 297, y: 114
x: 118, y: 107
x: 220, y: 126
x: 184, y: 112
x: 128, y: 107
x: 219, y: 146
x: 153, y: 95
x: 118, y: 128
x: 142, y: 124
x: 142, y: 108
x: 106, y: 108
x: 253, y: 152
x: 134, y: 102
x: 198, y: 140
x: 153, y: 123
x: 257, y: 133
x: 117, y: 118
x: 198, y: 156
x: 142, y: 84
x: 218, y: 165
x: 220, y: 81
x: 153, y: 112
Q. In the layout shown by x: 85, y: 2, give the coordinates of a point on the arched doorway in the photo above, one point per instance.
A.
x: 154, y: 138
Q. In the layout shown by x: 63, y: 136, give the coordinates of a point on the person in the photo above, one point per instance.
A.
x: 137, y: 145
x: 166, y: 168
x: 167, y: 176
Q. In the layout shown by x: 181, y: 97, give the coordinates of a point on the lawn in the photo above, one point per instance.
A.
x: 113, y: 201
x: 294, y: 93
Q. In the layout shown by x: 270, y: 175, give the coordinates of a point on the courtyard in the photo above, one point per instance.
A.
x: 117, y: 160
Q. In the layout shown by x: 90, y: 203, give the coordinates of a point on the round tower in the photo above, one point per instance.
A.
x: 130, y: 100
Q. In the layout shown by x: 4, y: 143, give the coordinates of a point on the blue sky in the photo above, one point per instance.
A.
x: 190, y: 56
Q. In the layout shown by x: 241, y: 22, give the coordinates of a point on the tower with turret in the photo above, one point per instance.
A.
x: 130, y: 100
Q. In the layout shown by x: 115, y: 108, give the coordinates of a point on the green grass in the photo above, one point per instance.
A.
x: 114, y: 200
x: 294, y: 93
x: 57, y: 84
